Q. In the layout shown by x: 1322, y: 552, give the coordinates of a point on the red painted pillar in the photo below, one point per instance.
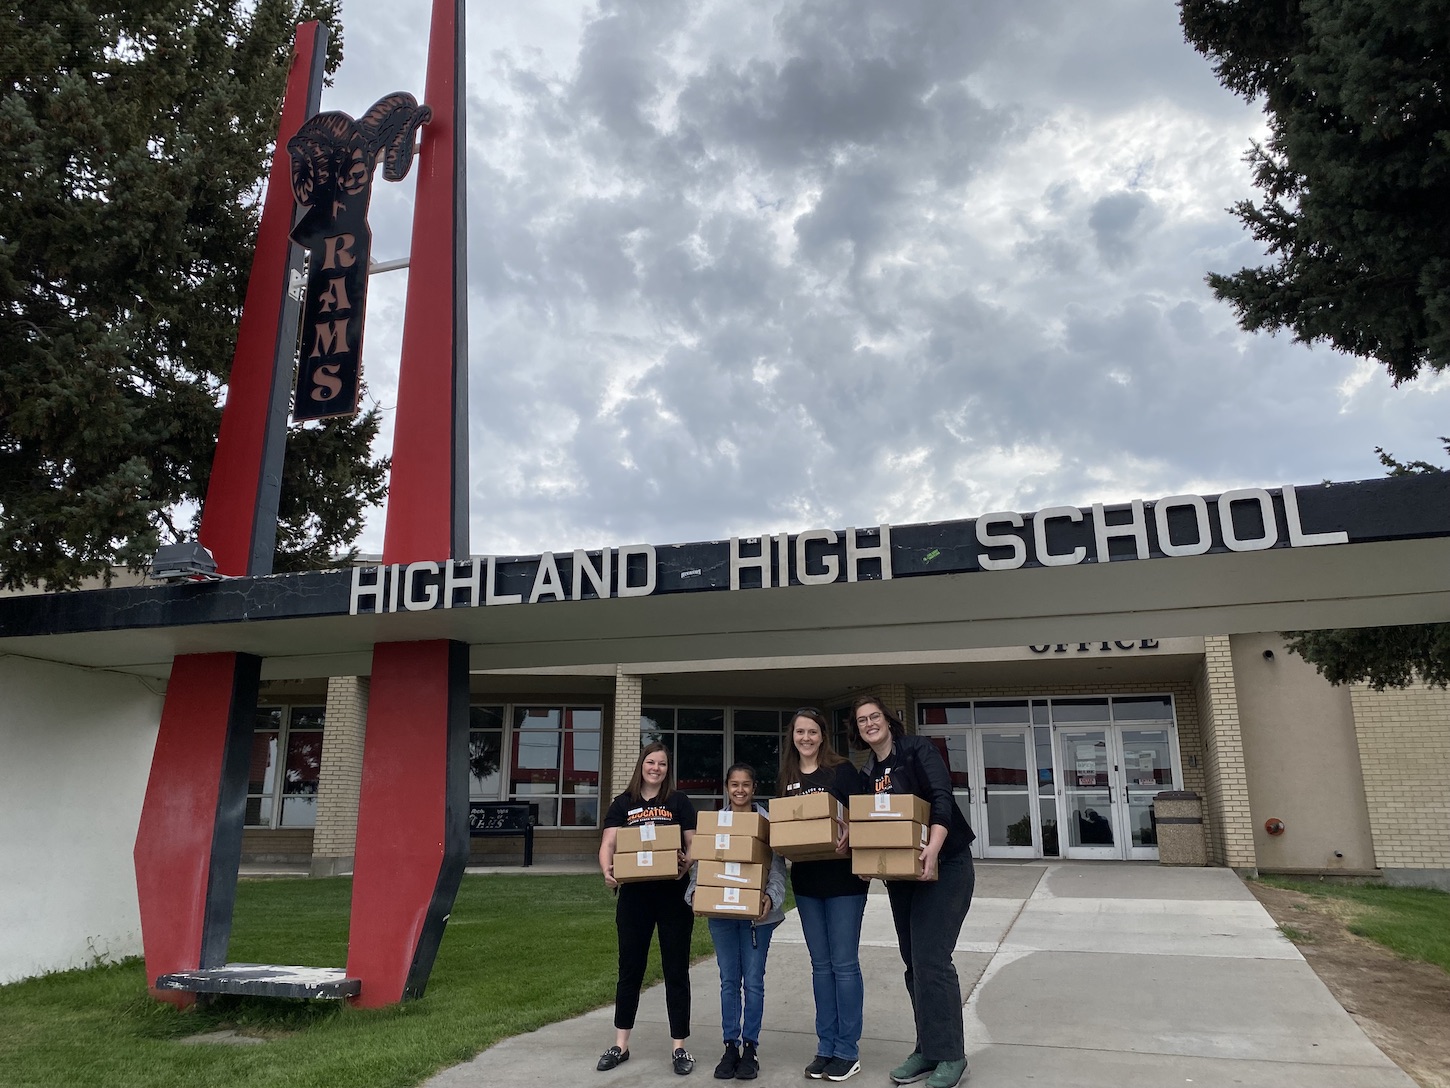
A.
x: 189, y: 842
x: 412, y: 834
x: 412, y: 829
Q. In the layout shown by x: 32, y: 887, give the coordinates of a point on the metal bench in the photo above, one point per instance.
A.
x: 493, y: 819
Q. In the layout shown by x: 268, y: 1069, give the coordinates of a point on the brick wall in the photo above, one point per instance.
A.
x: 1227, y: 821
x: 1404, y: 752
x: 628, y: 701
x: 341, y: 778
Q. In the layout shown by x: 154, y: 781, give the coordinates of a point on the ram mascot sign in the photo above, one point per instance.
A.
x: 333, y: 159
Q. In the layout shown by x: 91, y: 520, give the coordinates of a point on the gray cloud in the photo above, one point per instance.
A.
x: 742, y: 268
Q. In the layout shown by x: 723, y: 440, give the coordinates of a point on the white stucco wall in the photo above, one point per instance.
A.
x: 75, y: 752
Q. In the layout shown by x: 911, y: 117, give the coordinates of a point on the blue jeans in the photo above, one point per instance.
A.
x: 833, y: 937
x: 741, y: 956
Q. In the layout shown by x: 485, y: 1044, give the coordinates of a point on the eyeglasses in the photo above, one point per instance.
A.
x: 870, y: 719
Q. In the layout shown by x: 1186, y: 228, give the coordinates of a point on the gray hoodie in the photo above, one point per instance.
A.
x: 774, y: 881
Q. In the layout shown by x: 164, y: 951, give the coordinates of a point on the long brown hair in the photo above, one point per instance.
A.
x: 636, y: 781
x: 898, y: 729
x: 790, y: 759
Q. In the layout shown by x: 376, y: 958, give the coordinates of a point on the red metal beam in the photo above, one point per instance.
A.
x: 428, y: 492
x: 239, y: 517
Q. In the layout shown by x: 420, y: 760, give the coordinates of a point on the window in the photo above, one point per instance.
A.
x: 555, y: 763
x: 758, y: 735
x: 286, y: 762
x: 703, y: 741
x: 485, y: 752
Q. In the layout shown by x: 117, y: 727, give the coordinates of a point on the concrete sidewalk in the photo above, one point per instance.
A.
x: 1090, y: 974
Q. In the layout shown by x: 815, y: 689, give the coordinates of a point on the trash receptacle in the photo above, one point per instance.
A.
x: 1178, y: 821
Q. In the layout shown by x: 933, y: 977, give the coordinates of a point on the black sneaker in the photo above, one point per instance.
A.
x: 683, y: 1060
x: 817, y: 1069
x: 749, y: 1067
x: 610, y: 1058
x: 842, y: 1069
x: 729, y: 1062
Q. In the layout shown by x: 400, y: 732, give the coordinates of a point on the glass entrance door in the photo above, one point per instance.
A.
x: 1087, y: 794
x: 1005, y: 817
x: 1147, y: 768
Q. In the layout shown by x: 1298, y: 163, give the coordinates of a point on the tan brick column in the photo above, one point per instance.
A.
x: 1226, y: 806
x: 340, y: 779
x: 628, y: 696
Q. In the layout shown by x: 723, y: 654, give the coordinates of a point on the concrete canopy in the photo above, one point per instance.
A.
x: 1378, y: 554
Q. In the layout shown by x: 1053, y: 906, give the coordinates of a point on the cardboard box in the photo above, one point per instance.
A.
x: 890, y: 806
x: 630, y: 866
x: 887, y: 864
x: 889, y: 834
x: 806, y: 840
x: 728, y: 848
x: 734, y: 823
x: 649, y: 837
x: 813, y: 806
x: 731, y: 874
x: 728, y: 902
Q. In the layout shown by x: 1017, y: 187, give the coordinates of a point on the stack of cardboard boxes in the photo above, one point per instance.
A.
x: 732, y: 850
x: 888, y: 831
x: 806, y: 828
x: 647, y: 852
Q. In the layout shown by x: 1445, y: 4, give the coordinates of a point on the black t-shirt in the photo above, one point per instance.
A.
x: 625, y: 811
x: 833, y: 877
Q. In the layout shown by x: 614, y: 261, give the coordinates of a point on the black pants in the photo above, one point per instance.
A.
x: 642, y: 907
x: 928, y: 920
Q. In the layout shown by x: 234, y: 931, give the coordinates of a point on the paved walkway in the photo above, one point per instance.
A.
x: 1089, y: 974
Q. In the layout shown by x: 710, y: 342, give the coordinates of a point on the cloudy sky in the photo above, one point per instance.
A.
x: 748, y: 267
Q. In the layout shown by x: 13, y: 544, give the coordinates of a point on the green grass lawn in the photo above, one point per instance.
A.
x: 1415, y: 922
x: 519, y: 952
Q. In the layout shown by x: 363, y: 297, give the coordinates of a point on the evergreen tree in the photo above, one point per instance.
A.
x: 134, y: 137
x: 1355, y: 174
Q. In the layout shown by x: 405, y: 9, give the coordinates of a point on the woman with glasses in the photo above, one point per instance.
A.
x: 830, y: 900
x: 928, y: 913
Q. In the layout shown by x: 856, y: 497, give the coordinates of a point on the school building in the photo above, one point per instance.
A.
x: 1073, y: 665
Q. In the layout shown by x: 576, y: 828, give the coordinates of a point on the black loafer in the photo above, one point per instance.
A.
x: 683, y: 1061
x: 611, y: 1057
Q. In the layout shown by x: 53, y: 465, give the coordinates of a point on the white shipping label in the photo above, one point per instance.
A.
x: 732, y: 895
x: 726, y: 819
x: 647, y: 832
x: 883, y: 802
x: 732, y: 868
x: 722, y: 842
x: 646, y: 859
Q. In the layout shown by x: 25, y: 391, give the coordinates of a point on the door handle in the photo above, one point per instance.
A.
x: 1110, y: 795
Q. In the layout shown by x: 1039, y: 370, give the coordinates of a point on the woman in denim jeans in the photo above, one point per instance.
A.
x: 928, y: 913
x: 741, y: 945
x: 830, y: 900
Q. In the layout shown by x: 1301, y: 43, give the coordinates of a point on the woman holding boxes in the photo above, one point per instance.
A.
x: 829, y: 899
x: 651, y: 895
x: 929, y: 911
x: 741, y: 944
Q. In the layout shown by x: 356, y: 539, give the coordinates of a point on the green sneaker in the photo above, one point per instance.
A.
x: 913, y: 1069
x: 947, y: 1074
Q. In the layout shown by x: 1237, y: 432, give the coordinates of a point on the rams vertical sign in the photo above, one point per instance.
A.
x: 333, y: 159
